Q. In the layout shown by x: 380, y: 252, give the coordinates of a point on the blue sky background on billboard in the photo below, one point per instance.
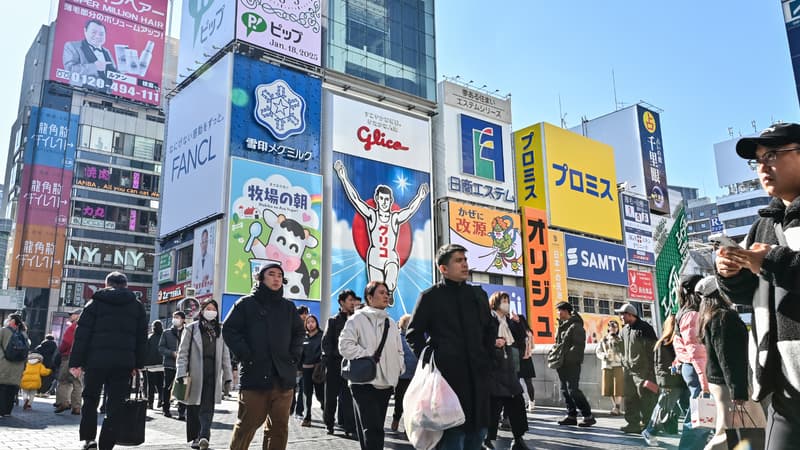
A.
x: 707, y: 74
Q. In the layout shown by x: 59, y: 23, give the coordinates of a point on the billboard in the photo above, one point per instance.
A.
x: 730, y: 168
x: 196, y: 149
x: 476, y: 102
x: 638, y: 230
x: 529, y: 160
x: 516, y: 295
x: 38, y: 256
x: 382, y: 229
x: 669, y: 262
x: 594, y: 260
x: 537, y: 276
x: 641, y: 286
x: 596, y: 325
x: 203, y: 267
x: 581, y: 183
x: 492, y: 238
x: 655, y: 170
x: 275, y: 115
x: 275, y: 216
x: 206, y: 27
x: 113, y: 47
x: 291, y: 28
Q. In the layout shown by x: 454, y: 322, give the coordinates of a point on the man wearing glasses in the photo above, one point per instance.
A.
x: 765, y: 273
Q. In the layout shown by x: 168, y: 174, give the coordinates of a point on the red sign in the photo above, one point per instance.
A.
x: 111, y: 46
x: 640, y: 285
x: 378, y: 137
x: 173, y: 293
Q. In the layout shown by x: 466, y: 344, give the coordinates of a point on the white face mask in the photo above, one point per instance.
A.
x: 177, y: 322
x: 33, y: 361
x: 504, y: 307
x: 209, y: 315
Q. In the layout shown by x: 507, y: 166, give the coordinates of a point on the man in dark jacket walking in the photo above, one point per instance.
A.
x: 453, y: 318
x: 110, y: 345
x: 765, y: 273
x: 168, y: 347
x: 641, y: 390
x: 569, y: 346
x: 335, y: 386
x: 265, y: 333
x: 69, y: 389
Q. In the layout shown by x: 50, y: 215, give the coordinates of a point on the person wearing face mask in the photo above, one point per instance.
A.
x: 266, y: 334
x: 203, y: 357
x: 168, y: 347
x: 506, y: 392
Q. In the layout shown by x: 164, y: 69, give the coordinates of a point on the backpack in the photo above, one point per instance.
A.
x: 17, y: 348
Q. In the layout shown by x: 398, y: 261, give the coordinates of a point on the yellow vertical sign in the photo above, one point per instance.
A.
x: 529, y: 164
x: 558, y: 268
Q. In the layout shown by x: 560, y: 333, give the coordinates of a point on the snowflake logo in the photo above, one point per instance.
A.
x: 280, y: 109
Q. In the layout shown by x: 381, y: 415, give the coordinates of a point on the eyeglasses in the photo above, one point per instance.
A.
x: 769, y: 158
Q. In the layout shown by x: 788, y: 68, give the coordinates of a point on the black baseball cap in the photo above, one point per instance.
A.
x: 774, y: 136
x: 564, y: 305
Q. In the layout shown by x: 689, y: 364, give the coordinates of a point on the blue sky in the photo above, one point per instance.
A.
x: 708, y: 65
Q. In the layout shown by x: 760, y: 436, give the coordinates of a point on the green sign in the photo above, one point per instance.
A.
x: 165, y: 272
x: 668, y: 266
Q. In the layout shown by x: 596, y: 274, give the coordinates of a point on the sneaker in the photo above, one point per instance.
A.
x: 330, y: 430
x: 76, y: 411
x: 306, y: 423
x: 203, y: 444
x: 61, y: 409
x: 194, y: 444
x: 569, y: 420
x: 519, y: 444
x: 27, y: 405
x: 587, y: 422
x: 615, y: 411
x: 531, y: 405
x: 181, y: 417
x: 487, y: 444
x: 167, y: 414
x: 89, y: 444
x: 631, y: 429
x: 649, y: 438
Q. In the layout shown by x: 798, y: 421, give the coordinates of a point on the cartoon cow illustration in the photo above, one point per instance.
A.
x: 287, y: 243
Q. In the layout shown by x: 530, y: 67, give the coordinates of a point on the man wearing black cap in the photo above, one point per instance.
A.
x: 640, y: 375
x: 765, y: 273
x: 566, y: 357
x: 265, y: 333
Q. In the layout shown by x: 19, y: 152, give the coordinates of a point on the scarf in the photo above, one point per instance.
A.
x: 503, y: 331
x: 210, y: 327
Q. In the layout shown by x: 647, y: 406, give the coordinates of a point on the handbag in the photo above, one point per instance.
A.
x: 364, y: 370
x: 745, y: 432
x: 318, y: 375
x: 703, y: 411
x: 182, y: 386
x: 131, y: 418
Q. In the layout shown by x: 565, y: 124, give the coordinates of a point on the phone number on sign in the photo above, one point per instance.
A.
x: 149, y: 95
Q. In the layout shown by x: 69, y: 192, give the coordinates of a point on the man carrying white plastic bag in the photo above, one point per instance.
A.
x: 452, y: 317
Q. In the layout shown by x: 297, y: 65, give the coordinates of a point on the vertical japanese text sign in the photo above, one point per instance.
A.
x: 530, y: 167
x: 537, y: 275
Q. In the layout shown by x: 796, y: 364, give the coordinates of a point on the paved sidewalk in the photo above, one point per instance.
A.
x: 41, y: 429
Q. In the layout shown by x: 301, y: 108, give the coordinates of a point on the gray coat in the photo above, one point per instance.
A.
x: 193, y: 367
x: 170, y: 339
x: 10, y: 372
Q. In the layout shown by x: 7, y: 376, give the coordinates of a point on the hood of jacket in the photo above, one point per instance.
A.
x: 37, y: 356
x: 374, y: 315
x: 778, y: 211
x: 114, y: 296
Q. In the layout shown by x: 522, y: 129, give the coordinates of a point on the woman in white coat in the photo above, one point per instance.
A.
x: 203, y: 357
x: 360, y: 338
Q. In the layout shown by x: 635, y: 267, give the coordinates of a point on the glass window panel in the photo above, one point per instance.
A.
x: 85, y: 136
x: 144, y: 147
x: 102, y: 139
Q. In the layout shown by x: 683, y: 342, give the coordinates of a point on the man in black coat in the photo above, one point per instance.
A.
x: 266, y: 335
x: 110, y: 345
x: 168, y: 347
x: 640, y: 375
x: 453, y: 318
x: 51, y: 359
x: 336, y: 386
x: 571, y: 342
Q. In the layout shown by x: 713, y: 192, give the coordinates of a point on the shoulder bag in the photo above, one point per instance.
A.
x: 364, y: 370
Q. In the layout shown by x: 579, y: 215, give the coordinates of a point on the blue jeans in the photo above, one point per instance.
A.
x: 692, y: 438
x: 458, y: 439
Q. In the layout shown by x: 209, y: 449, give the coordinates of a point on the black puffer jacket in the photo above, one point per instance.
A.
x: 725, y: 337
x: 265, y: 333
x: 312, y: 349
x: 111, y: 333
x: 154, y: 357
x: 665, y: 355
x: 330, y: 342
x: 572, y: 337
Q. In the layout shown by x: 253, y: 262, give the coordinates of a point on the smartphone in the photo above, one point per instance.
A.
x: 721, y: 240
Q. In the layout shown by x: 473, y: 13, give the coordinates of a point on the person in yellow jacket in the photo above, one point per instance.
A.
x: 32, y: 378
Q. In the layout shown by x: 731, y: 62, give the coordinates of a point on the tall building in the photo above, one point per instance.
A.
x: 84, y: 160
x: 700, y: 216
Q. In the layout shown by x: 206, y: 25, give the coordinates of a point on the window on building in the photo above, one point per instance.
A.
x: 101, y: 139
x: 157, y: 149
x: 123, y: 144
x: 703, y: 225
x: 604, y: 307
x: 702, y: 214
x: 85, y: 136
x: 143, y: 147
x: 647, y: 312
x: 617, y: 305
x: 589, y: 305
x: 495, y: 279
x: 575, y: 301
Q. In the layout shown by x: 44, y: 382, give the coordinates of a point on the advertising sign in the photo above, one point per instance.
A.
x: 640, y: 285
x: 111, y: 47
x: 371, y: 132
x: 516, y: 295
x: 116, y: 180
x: 172, y: 293
x: 558, y: 268
x: 596, y: 325
x: 290, y: 28
x: 638, y: 230
x: 275, y: 115
x: 38, y: 257
x: 52, y: 136
x: 581, y: 184
x: 206, y: 28
x: 528, y: 148
x: 655, y: 170
x: 382, y: 229
x: 196, y: 149
x: 537, y: 276
x: 203, y: 267
x: 476, y: 102
x: 668, y: 266
x: 166, y: 270
x: 275, y: 216
x: 492, y: 238
x: 593, y: 260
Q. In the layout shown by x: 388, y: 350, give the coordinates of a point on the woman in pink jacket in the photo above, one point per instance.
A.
x: 690, y: 355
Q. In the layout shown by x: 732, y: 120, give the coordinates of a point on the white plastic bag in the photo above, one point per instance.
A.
x: 430, y: 403
x: 423, y: 439
x: 703, y: 411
